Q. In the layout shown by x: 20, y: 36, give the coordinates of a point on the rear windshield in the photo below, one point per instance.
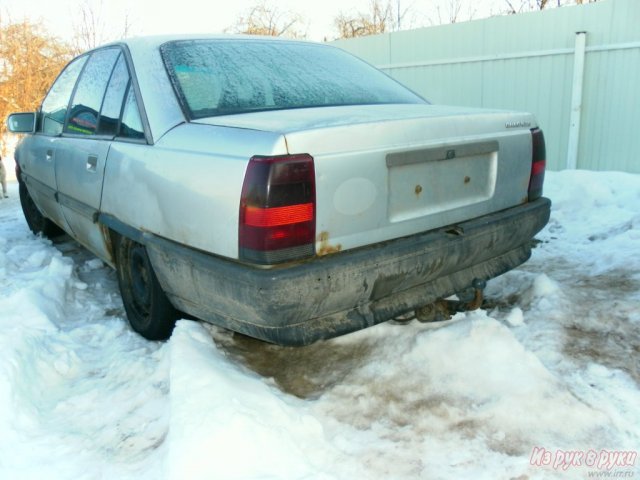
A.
x: 223, y: 77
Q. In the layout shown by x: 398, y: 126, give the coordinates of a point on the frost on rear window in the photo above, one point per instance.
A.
x: 221, y: 77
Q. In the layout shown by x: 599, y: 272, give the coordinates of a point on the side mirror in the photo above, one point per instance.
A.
x: 22, y: 122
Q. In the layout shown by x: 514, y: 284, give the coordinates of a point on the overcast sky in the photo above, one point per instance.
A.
x: 200, y: 16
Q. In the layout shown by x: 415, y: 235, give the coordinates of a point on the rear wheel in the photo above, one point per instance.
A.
x: 37, y: 222
x: 149, y: 311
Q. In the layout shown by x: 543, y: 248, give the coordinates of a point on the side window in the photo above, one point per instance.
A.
x: 131, y: 123
x: 54, y: 106
x: 87, y: 100
x: 112, y: 105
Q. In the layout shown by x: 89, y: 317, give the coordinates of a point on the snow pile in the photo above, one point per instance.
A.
x: 550, y: 363
x: 228, y: 423
x: 596, y: 217
x: 81, y: 396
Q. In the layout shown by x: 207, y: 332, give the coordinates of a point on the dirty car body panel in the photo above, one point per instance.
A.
x: 282, y: 189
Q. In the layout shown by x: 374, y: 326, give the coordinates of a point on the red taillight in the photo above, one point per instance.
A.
x: 278, y: 209
x: 538, y: 164
x: 272, y: 217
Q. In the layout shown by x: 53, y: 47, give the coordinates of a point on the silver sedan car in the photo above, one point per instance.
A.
x: 282, y: 189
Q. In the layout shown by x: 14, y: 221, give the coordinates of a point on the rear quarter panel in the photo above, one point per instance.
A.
x: 186, y: 187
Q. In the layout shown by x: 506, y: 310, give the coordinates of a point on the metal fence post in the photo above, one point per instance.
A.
x: 576, y: 100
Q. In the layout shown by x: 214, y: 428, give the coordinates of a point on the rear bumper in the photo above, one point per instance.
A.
x: 337, y: 294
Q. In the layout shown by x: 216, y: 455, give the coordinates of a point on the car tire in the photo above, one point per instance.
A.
x: 149, y: 311
x: 37, y: 222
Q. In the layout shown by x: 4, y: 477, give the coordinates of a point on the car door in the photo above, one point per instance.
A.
x: 81, y: 153
x: 38, y: 156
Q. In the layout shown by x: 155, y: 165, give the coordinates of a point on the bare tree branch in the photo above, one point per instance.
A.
x: 379, y: 18
x: 92, y: 28
x: 452, y: 13
x: 529, y: 5
x: 266, y: 19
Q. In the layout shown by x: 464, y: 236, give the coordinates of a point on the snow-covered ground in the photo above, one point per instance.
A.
x: 544, y: 382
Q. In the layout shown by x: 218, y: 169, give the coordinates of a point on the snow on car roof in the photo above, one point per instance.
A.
x: 154, y: 41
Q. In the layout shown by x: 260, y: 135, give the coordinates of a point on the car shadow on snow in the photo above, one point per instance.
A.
x: 305, y: 372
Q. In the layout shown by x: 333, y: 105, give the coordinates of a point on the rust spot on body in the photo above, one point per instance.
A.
x: 418, y: 190
x: 325, y: 248
x: 108, y: 241
x: 467, y: 180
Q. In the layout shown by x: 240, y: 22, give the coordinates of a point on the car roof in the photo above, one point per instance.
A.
x: 155, y: 41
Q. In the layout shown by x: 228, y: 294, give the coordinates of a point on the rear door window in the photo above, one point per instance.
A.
x: 112, y: 106
x: 87, y: 99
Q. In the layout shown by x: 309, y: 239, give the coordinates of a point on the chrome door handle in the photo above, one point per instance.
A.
x: 92, y: 162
